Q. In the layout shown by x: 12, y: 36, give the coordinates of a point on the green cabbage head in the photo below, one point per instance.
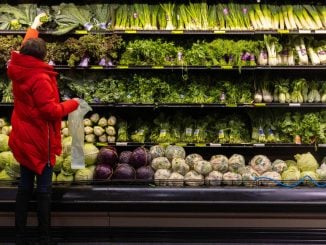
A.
x: 65, y: 178
x: 5, y: 176
x: 306, y: 162
x: 6, y: 158
x: 90, y: 152
x: 58, y: 163
x: 4, y: 142
x: 292, y: 174
x: 84, y: 174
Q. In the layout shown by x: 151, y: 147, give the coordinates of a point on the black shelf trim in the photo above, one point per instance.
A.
x: 220, y: 68
x: 176, y: 32
x: 213, y: 105
x: 219, y: 145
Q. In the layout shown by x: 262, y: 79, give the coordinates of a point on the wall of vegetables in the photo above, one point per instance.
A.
x: 175, y: 109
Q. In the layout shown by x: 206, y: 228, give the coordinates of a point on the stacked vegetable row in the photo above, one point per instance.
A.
x: 109, y: 50
x: 256, y: 126
x: 174, y: 168
x: 194, y: 90
x: 168, y: 16
x: 170, y: 166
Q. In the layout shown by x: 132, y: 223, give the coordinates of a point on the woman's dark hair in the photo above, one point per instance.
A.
x: 35, y: 47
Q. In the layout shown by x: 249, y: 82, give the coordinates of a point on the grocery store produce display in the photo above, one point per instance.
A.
x: 162, y: 97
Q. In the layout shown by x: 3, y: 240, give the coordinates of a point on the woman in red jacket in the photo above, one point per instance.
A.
x: 35, y: 138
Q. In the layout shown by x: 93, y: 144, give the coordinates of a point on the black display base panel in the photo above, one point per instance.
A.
x: 65, y: 235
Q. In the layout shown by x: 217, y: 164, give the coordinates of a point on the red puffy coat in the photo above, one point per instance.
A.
x: 36, y: 119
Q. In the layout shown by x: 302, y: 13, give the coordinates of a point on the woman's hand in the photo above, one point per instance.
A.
x: 37, y: 22
x: 77, y: 99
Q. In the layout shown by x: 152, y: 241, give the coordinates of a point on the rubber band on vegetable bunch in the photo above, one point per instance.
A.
x: 295, y: 184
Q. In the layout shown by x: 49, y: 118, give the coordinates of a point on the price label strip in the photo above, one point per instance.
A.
x: 122, y: 67
x: 283, y: 31
x: 96, y: 67
x: 130, y: 31
x: 81, y: 32
x: 177, y: 32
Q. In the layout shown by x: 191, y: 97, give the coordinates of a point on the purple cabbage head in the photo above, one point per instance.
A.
x: 124, y: 172
x: 108, y: 155
x: 125, y: 156
x: 140, y: 157
x: 145, y: 173
x: 103, y: 172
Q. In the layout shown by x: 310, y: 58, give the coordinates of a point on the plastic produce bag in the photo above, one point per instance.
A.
x: 76, y: 130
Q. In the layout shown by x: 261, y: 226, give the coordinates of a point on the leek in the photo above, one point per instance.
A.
x: 322, y: 14
x: 267, y: 16
x: 309, y: 19
x: 193, y: 10
x: 291, y: 16
x: 281, y: 25
x: 212, y: 18
x: 298, y: 11
x: 184, y: 18
x: 220, y: 16
x: 143, y: 12
x: 252, y: 18
x: 245, y: 17
x: 154, y: 15
x: 275, y: 16
x: 261, y: 17
x: 204, y: 15
x: 314, y: 14
x: 168, y: 10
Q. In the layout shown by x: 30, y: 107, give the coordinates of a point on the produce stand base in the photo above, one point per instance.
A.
x: 139, y: 214
x: 117, y: 235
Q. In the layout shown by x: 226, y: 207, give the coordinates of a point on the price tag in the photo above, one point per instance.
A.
x: 322, y: 145
x: 294, y: 104
x: 177, y: 32
x: 320, y: 31
x: 158, y: 67
x: 181, y: 144
x: 226, y: 67
x: 219, y: 32
x: 121, y: 143
x: 96, y: 67
x: 101, y: 144
x: 130, y: 31
x: 200, y: 144
x: 304, y: 31
x: 81, y: 32
x: 122, y: 67
x: 260, y: 104
x: 231, y: 105
x: 259, y: 145
x: 283, y: 31
x: 215, y: 145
